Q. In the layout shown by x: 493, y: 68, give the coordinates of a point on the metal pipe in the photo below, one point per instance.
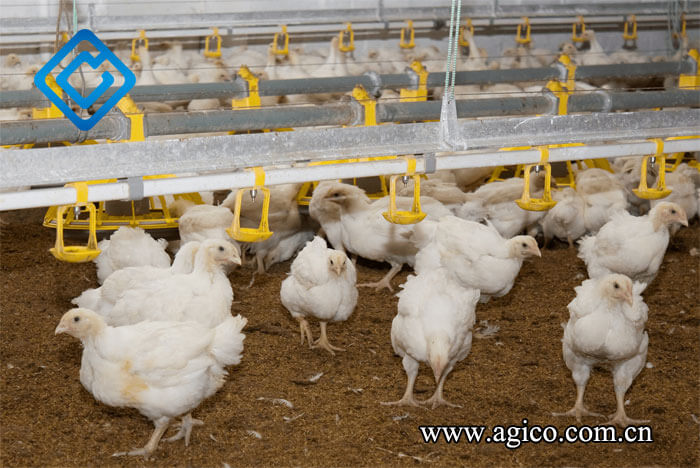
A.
x: 230, y: 152
x: 119, y: 191
x: 112, y: 127
x: 343, y: 84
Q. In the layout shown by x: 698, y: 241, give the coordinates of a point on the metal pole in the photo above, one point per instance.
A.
x: 120, y: 191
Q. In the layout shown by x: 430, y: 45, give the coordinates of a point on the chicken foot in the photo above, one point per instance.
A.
x: 579, y: 410
x: 620, y: 417
x: 437, y: 399
x: 185, y: 430
x: 323, y: 342
x: 386, y: 281
x: 411, y: 368
x: 161, y: 426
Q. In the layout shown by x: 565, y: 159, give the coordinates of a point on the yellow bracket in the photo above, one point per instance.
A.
x: 405, y: 217
x: 369, y: 104
x: 538, y: 204
x: 284, y: 37
x: 691, y: 81
x: 577, y: 30
x: 76, y: 253
x: 346, y: 39
x: 132, y: 112
x: 682, y: 33
x: 141, y: 39
x: 253, y: 98
x: 214, y: 35
x: 660, y: 191
x: 570, y: 71
x: 562, y: 94
x: 469, y: 27
x: 521, y: 38
x: 630, y: 23
x: 51, y: 112
x: 421, y: 91
x: 569, y: 180
x: 411, y: 34
x: 262, y: 232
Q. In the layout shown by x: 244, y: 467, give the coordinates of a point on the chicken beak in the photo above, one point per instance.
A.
x: 61, y: 328
x: 338, y: 268
x: 236, y: 259
x: 536, y: 251
x: 683, y: 220
x: 629, y: 298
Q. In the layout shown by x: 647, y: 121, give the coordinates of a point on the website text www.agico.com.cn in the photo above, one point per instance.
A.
x: 515, y: 436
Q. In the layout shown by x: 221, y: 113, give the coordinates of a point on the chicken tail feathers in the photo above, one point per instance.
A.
x: 227, y: 346
x: 89, y: 299
x: 586, y: 248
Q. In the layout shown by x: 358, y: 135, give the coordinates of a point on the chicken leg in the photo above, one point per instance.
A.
x: 386, y: 281
x: 186, y: 425
x: 437, y: 398
x: 579, y: 410
x: 410, y: 365
x: 161, y: 426
x: 323, y: 342
x: 305, y: 331
x: 623, y: 375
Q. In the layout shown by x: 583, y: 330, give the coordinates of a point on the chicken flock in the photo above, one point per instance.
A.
x: 158, y: 336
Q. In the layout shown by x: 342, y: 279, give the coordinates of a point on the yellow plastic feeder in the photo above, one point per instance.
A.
x: 207, y: 51
x: 411, y: 33
x: 283, y: 37
x: 142, y: 39
x: 526, y: 202
x: 76, y: 253
x: 346, y: 39
x: 262, y: 232
x: 660, y: 190
x: 397, y: 216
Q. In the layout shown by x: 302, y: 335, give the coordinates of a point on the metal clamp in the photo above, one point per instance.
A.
x: 135, y: 187
x: 376, y: 80
x: 252, y: 99
x: 429, y: 163
x: 136, y: 123
x: 419, y: 78
x: 369, y: 105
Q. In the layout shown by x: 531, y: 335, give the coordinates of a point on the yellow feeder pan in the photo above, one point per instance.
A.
x: 397, y: 216
x: 526, y: 202
x: 262, y: 232
x: 141, y: 39
x: 76, y: 253
x: 282, y: 37
x: 660, y: 190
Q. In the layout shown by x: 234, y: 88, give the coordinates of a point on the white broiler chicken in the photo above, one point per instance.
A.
x: 163, y: 369
x: 682, y: 190
x: 102, y: 299
x: 433, y: 325
x: 321, y: 284
x: 130, y: 247
x: 497, y: 203
x: 354, y: 223
x: 603, y: 195
x: 202, y: 222
x: 606, y: 326
x: 477, y: 255
x: 204, y: 295
x: 565, y: 220
x: 631, y: 245
x: 629, y: 172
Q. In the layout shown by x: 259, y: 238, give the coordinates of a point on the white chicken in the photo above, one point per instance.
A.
x: 204, y: 295
x: 163, y: 369
x: 606, y: 326
x: 565, y: 220
x: 321, y: 284
x: 102, y: 299
x: 475, y: 254
x: 130, y: 247
x: 631, y: 245
x: 433, y: 325
x: 354, y: 223
x: 446, y: 193
x: 496, y: 202
x: 682, y: 190
x: 202, y: 222
x: 603, y: 195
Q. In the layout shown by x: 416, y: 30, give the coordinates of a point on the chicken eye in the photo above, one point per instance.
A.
x: 524, y: 244
x: 76, y: 319
x: 617, y: 286
x: 673, y: 211
x: 332, y: 263
x: 221, y: 248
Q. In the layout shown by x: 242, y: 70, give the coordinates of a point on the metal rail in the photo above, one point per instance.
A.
x: 60, y: 165
x: 371, y: 81
x: 116, y: 127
